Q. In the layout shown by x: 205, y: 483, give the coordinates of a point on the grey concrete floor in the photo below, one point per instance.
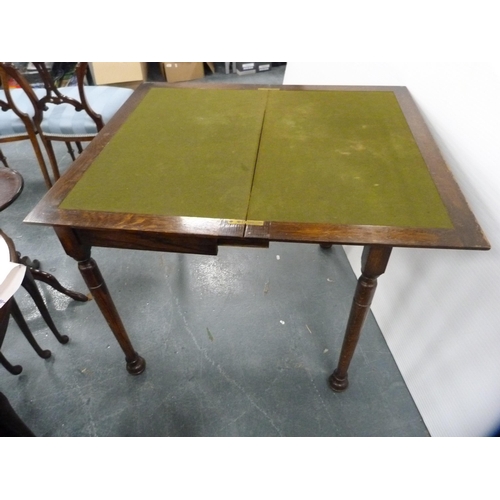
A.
x: 240, y: 344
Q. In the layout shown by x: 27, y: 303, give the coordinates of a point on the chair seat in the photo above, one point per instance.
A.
x: 62, y: 119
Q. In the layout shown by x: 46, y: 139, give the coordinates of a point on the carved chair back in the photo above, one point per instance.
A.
x: 54, y: 96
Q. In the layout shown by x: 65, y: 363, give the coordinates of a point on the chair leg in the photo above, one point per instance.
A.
x: 3, y: 159
x: 4, y: 323
x: 49, y: 279
x: 40, y: 158
x: 52, y: 281
x: 70, y: 150
x: 23, y: 326
x: 79, y: 147
x: 52, y: 157
x: 30, y: 286
x: 14, y: 369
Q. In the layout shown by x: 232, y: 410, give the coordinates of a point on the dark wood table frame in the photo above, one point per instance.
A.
x: 80, y: 230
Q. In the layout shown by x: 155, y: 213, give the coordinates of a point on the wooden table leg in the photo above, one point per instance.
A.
x: 97, y: 286
x: 373, y: 264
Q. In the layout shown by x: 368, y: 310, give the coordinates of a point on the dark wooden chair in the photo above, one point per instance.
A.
x: 11, y: 186
x: 75, y: 113
x: 72, y: 114
x: 10, y: 308
x: 19, y: 114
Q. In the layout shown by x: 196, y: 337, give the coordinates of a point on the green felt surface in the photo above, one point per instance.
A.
x: 185, y: 152
x: 324, y: 157
x: 343, y: 158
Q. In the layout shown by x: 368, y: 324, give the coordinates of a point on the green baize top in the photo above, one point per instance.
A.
x: 339, y: 157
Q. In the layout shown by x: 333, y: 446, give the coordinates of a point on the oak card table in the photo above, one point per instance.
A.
x: 189, y: 168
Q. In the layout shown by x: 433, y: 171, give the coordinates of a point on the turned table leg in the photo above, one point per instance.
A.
x: 374, y: 263
x: 97, y: 286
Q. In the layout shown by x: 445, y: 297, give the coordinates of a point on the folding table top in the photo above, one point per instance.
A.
x: 328, y: 158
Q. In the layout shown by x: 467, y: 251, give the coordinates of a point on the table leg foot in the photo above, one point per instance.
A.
x: 325, y: 246
x: 137, y: 365
x: 337, y: 383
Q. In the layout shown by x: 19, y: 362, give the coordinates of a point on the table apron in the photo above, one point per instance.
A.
x: 159, y: 242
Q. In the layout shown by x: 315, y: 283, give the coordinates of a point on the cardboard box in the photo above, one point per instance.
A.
x: 247, y: 68
x: 105, y: 73
x: 184, y: 71
x: 263, y: 66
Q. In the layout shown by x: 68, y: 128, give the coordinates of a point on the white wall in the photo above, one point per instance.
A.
x: 439, y: 310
